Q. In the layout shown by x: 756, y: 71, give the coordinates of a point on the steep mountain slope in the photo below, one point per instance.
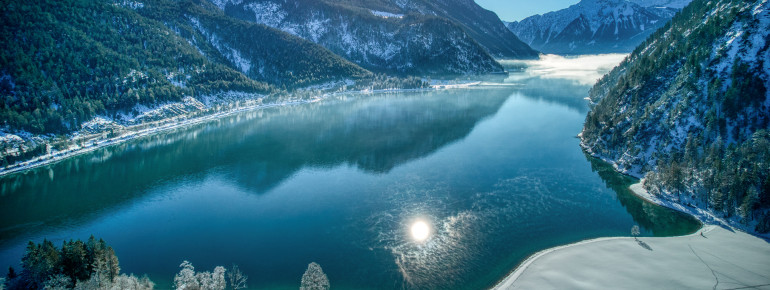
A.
x: 690, y: 111
x: 64, y: 62
x: 481, y: 24
x: 410, y: 37
x: 592, y: 26
x: 260, y: 52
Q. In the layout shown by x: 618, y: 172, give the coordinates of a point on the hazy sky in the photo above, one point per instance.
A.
x: 514, y: 10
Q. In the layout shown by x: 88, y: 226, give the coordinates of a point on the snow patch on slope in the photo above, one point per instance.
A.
x: 233, y: 55
x: 187, y: 105
x: 267, y: 13
x: 222, y: 3
x: 134, y: 5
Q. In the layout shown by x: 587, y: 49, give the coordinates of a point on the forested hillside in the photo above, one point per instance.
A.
x: 689, y: 110
x: 64, y: 62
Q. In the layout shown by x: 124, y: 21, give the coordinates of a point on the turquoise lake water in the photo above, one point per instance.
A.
x: 495, y: 171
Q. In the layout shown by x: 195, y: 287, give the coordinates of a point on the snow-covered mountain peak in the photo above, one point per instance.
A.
x: 611, y: 26
x: 676, y: 4
x: 416, y: 36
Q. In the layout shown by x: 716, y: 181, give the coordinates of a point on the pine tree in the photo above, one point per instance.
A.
x: 74, y: 260
x: 38, y: 263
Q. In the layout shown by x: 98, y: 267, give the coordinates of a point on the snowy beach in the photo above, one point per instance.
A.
x: 716, y: 257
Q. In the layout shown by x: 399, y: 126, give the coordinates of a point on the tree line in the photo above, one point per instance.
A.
x: 93, y: 265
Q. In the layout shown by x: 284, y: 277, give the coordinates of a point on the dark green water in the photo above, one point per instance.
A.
x: 496, y: 171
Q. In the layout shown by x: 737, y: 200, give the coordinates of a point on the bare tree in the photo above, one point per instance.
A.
x: 236, y: 278
x: 188, y: 279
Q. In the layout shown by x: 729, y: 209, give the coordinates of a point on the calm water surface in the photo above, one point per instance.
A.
x: 495, y: 171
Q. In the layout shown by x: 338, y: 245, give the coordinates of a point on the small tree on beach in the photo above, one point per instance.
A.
x: 635, y: 231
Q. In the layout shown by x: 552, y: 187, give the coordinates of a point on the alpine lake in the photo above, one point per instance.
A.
x: 440, y: 189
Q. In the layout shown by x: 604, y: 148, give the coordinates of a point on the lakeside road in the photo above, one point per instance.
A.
x: 714, y: 257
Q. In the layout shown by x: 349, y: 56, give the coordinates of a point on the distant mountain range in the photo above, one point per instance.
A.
x: 396, y: 36
x: 596, y: 26
x: 689, y: 110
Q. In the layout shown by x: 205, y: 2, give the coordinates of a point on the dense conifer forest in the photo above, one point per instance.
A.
x: 63, y: 62
x: 688, y: 109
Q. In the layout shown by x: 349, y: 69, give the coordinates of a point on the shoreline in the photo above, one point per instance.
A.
x: 712, y: 257
x: 508, y: 281
x: 684, y: 205
x: 708, y: 224
x: 511, y: 278
x: 182, y: 121
x: 164, y: 126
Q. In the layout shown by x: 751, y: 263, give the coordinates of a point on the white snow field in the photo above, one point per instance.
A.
x: 715, y: 257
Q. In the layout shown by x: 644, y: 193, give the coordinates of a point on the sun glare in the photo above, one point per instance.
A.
x: 420, y: 231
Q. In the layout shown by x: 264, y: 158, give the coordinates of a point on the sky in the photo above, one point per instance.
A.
x: 515, y: 10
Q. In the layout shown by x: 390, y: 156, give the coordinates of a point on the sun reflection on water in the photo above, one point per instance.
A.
x: 420, y: 231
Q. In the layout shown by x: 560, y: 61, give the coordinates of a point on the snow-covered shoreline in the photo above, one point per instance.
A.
x: 176, y: 122
x: 508, y: 281
x: 709, y: 222
x: 566, y: 261
x: 713, y: 257
x: 685, y: 204
x: 164, y: 125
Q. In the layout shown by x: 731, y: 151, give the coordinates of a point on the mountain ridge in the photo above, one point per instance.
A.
x: 405, y: 37
x: 613, y: 26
